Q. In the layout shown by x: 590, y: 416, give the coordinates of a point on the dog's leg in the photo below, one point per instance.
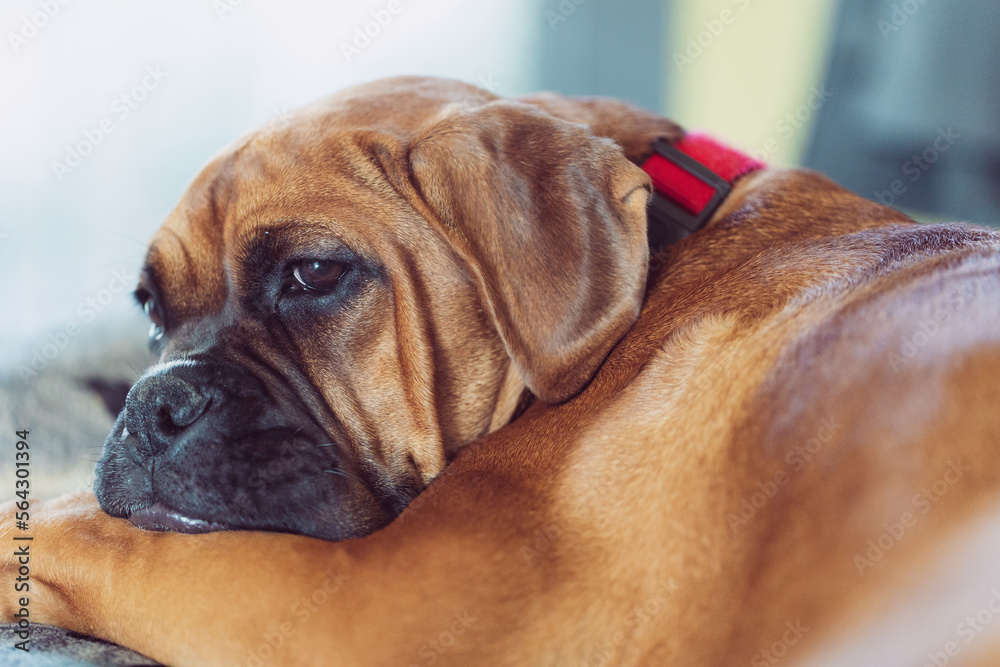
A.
x: 237, y: 597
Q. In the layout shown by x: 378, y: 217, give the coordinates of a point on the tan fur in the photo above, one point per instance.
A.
x: 601, y: 530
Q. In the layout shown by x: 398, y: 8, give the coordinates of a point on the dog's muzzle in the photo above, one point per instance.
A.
x: 204, y: 445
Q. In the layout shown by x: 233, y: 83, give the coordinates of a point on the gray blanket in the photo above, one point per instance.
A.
x: 55, y: 647
x: 67, y: 402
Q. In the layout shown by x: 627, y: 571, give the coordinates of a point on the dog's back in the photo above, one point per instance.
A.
x: 813, y: 412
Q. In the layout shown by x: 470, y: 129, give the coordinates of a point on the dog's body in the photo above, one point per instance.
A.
x: 809, y: 374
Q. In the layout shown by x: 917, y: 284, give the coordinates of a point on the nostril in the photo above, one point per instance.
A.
x: 159, y: 407
x: 165, y: 424
x: 186, y: 412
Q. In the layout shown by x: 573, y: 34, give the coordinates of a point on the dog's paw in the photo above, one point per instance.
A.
x: 44, y: 577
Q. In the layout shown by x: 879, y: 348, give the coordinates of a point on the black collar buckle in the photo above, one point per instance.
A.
x: 667, y: 221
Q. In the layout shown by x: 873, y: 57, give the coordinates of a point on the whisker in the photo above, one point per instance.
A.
x: 137, y: 373
x: 345, y: 474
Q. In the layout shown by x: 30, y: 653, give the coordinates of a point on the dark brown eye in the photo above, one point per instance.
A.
x: 318, y: 275
x: 149, y: 307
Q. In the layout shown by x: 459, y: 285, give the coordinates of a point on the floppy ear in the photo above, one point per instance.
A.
x: 552, y: 223
x: 632, y: 128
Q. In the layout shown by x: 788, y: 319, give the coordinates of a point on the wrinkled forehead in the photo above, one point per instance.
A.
x: 329, y: 166
x: 272, y: 180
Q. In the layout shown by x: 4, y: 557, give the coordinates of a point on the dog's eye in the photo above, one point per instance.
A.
x: 149, y: 306
x: 318, y: 275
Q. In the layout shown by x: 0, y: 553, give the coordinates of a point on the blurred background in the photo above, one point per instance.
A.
x: 110, y: 108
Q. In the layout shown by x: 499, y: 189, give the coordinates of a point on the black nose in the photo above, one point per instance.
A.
x: 159, y: 407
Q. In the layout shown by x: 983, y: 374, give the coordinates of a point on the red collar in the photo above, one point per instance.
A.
x: 691, y: 178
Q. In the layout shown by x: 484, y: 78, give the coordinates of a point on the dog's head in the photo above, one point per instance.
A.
x: 342, y: 302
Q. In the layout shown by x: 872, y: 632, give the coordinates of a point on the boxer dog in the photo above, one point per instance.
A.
x: 775, y: 441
